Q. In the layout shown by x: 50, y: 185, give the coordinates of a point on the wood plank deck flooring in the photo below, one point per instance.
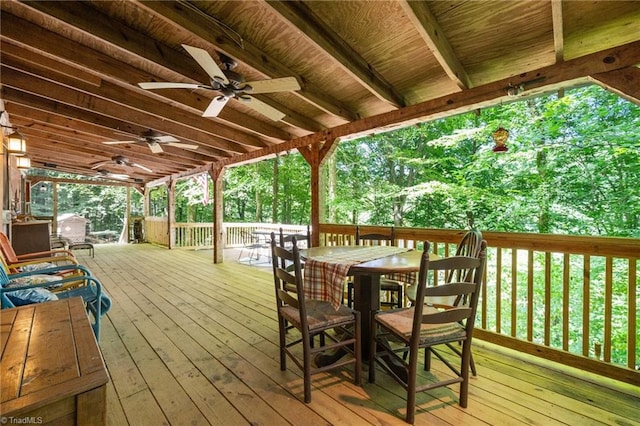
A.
x: 190, y: 342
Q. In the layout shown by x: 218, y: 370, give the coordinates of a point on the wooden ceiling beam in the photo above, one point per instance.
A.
x: 226, y: 138
x: 623, y: 82
x: 50, y: 109
x: 180, y: 13
x: 141, y: 121
x: 82, y: 135
x: 317, y: 32
x: 37, y: 179
x: 125, y: 67
x: 558, y: 29
x: 427, y: 25
x: 534, y: 83
x: 74, y: 155
x: 133, y: 100
x: 48, y: 136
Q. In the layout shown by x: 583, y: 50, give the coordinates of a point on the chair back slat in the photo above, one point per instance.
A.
x: 446, y: 316
x: 467, y: 291
x: 287, y: 276
x: 376, y: 238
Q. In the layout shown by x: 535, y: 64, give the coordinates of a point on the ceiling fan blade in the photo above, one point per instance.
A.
x: 155, y: 147
x: 117, y: 142
x: 165, y: 138
x: 100, y: 164
x: 119, y: 176
x: 108, y: 175
x: 264, y: 109
x: 182, y: 145
x: 207, y: 63
x: 140, y: 166
x: 215, y: 106
x: 169, y: 85
x: 284, y: 84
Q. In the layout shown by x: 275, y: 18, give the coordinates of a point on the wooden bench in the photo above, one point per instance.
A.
x: 51, y: 368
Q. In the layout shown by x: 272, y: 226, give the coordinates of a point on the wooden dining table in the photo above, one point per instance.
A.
x: 366, y: 276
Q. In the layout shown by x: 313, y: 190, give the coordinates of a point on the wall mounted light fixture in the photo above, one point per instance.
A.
x: 16, y: 144
x: 23, y: 163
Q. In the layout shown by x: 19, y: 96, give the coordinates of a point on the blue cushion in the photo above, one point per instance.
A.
x: 30, y: 295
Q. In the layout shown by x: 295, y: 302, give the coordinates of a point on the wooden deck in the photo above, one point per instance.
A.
x: 190, y: 342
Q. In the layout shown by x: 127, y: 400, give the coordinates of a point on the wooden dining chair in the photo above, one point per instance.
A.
x: 470, y: 245
x: 429, y: 328
x: 286, y: 240
x: 339, y: 329
x: 392, y: 290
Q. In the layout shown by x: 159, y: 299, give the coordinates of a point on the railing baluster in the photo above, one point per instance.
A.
x: 547, y: 298
x: 586, y: 305
x: 632, y: 331
x: 530, y: 295
x: 566, y: 297
x: 514, y: 292
x: 608, y: 308
x: 499, y: 290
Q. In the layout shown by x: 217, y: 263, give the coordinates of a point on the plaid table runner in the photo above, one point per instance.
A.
x: 324, y: 275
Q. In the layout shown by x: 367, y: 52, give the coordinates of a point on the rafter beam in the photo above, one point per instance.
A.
x: 133, y: 100
x: 558, y: 29
x: 300, y: 16
x: 624, y: 82
x: 427, y: 25
x: 537, y: 82
x: 132, y: 47
x: 248, y: 54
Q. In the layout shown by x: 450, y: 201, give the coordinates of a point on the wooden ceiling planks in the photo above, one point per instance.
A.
x: 70, y: 69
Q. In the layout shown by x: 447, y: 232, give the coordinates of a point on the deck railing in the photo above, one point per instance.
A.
x: 200, y: 235
x: 570, y: 299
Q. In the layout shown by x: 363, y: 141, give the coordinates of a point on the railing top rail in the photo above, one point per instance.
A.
x: 575, y: 244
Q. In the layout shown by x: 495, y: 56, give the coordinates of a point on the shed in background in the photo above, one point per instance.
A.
x: 72, y: 227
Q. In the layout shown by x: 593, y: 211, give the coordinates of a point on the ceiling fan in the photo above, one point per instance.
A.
x: 155, y: 140
x: 102, y: 173
x: 230, y: 85
x: 120, y: 160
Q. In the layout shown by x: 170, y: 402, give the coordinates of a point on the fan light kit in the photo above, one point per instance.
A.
x: 230, y: 85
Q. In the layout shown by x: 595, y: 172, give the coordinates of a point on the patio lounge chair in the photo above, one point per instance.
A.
x: 40, y: 286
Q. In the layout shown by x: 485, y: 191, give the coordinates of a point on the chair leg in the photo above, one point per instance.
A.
x: 464, y: 372
x: 307, y: 374
x: 474, y: 372
x: 412, y: 380
x: 283, y: 343
x: 372, y: 351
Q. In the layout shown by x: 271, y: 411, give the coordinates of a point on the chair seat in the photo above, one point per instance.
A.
x: 319, y: 314
x: 401, y: 322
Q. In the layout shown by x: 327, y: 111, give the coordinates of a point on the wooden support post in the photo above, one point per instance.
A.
x: 171, y: 212
x: 218, y: 214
